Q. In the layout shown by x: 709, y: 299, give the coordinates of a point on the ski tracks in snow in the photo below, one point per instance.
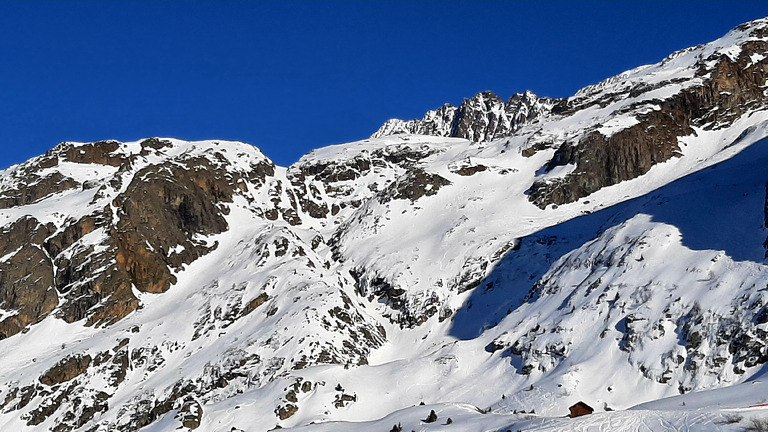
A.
x: 644, y: 421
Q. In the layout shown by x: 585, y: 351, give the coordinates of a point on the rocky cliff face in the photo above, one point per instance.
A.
x: 26, y: 277
x: 500, y: 254
x: 724, y: 86
x: 646, y: 112
x: 139, y: 226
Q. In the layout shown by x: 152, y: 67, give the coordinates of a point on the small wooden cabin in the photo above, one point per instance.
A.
x: 579, y: 409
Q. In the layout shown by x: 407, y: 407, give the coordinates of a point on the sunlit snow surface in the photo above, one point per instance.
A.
x: 689, y: 232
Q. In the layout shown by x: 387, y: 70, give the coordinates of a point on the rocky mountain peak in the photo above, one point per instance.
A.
x: 483, y: 117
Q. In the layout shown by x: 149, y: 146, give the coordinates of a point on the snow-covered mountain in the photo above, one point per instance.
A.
x: 494, y: 263
x: 484, y: 117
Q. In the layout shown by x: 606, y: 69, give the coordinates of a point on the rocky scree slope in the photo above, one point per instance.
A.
x: 503, y: 258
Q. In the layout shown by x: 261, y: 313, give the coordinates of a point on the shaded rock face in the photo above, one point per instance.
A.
x: 52, y: 262
x: 36, y: 189
x: 101, y: 152
x: 765, y: 219
x: 86, y: 275
x: 484, y: 117
x: 728, y: 90
x: 27, y: 293
x: 602, y: 161
x: 159, y: 214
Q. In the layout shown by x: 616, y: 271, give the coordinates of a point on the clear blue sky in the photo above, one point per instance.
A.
x: 289, y: 76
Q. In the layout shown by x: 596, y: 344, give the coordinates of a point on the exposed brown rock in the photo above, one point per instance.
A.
x: 120, y: 365
x: 162, y: 208
x: 729, y: 89
x: 284, y: 412
x: 332, y: 171
x: 289, y: 215
x: 402, y: 155
x: 253, y: 304
x: 191, y: 414
x: 306, y: 386
x: 26, y: 277
x: 9, y: 397
x: 160, y: 213
x: 87, y: 278
x: 309, y: 198
x: 153, y: 144
x: 26, y: 395
x: 100, y: 152
x: 343, y: 400
x: 291, y: 396
x: 47, y: 408
x: 73, y: 421
x: 34, y: 188
x: 76, y: 275
x: 470, y: 170
x: 415, y: 184
x: 602, y: 161
x: 66, y: 370
x: 74, y: 232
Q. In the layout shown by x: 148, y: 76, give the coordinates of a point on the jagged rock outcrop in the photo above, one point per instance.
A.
x: 483, y: 117
x: 27, y: 292
x: 66, y: 370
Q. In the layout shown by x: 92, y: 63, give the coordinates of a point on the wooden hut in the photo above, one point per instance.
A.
x: 579, y: 409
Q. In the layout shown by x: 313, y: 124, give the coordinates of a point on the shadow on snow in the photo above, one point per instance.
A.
x: 718, y: 208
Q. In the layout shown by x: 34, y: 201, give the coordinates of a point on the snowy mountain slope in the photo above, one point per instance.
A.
x: 498, y: 279
x: 222, y: 288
